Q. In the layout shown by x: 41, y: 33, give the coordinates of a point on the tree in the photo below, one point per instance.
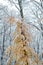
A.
x: 41, y: 3
x: 20, y: 52
x: 4, y: 29
x: 21, y: 9
x: 2, y: 9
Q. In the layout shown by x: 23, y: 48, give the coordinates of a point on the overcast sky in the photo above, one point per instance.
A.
x: 6, y: 3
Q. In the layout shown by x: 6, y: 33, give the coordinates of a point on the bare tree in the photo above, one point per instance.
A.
x: 5, y: 29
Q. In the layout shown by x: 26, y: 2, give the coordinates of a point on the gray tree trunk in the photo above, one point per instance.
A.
x: 3, y: 45
x: 21, y: 9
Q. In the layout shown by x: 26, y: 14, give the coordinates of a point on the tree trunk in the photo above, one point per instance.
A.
x: 41, y: 3
x: 3, y: 46
x: 21, y: 9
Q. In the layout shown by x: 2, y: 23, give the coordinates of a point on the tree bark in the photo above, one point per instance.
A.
x: 21, y: 9
x: 3, y: 45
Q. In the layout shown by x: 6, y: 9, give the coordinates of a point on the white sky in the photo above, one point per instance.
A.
x: 5, y: 2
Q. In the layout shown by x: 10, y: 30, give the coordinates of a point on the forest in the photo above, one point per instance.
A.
x: 21, y: 32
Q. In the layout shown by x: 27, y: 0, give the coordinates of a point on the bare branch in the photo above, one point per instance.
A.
x: 14, y: 4
x: 3, y: 8
x: 34, y: 13
x: 38, y: 5
x: 34, y: 26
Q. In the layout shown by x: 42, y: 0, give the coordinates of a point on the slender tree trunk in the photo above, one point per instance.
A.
x: 3, y: 46
x: 21, y: 9
x: 10, y: 33
x: 41, y: 3
x: 41, y: 25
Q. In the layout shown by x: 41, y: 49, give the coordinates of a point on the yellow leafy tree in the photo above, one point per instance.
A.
x: 20, y: 50
x: 11, y: 20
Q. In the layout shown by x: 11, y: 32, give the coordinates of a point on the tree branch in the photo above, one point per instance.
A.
x: 14, y: 4
x: 33, y: 25
x: 38, y: 5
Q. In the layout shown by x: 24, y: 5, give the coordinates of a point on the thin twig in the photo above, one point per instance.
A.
x: 14, y: 4
x: 38, y: 5
x: 33, y: 25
